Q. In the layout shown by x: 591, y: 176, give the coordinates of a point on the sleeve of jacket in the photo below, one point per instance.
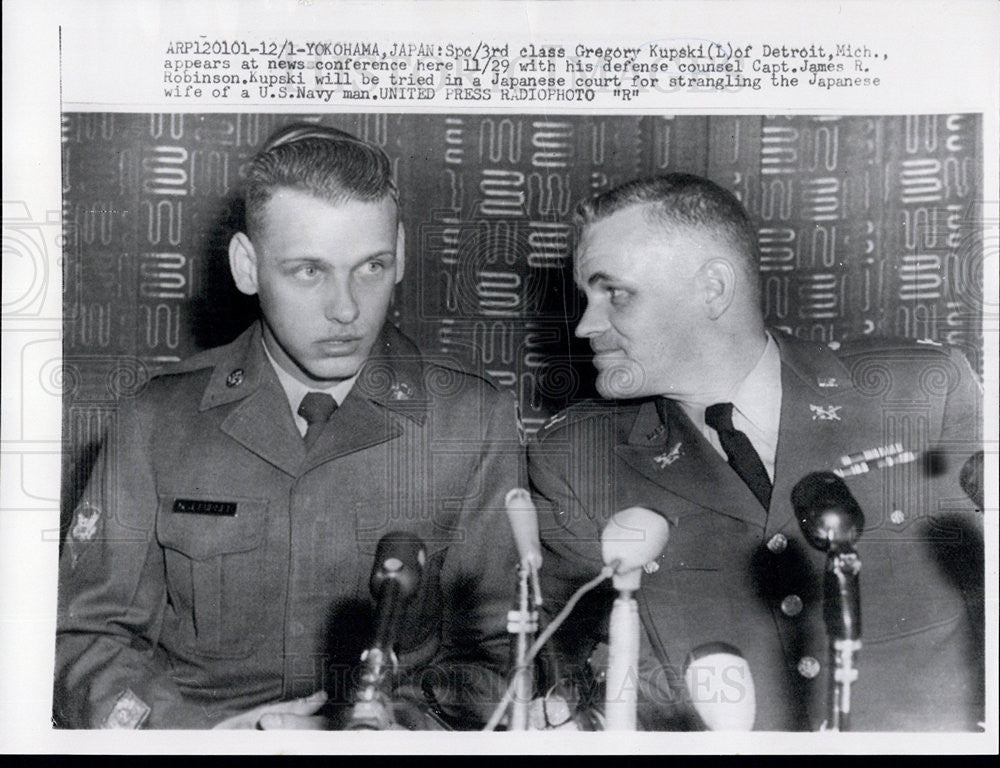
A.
x: 112, y: 597
x: 478, y: 577
x: 962, y: 422
x: 961, y: 440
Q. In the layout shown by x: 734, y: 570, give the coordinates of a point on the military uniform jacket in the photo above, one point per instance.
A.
x: 734, y: 572
x: 215, y: 565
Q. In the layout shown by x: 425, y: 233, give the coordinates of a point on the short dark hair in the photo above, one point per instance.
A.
x: 323, y: 161
x: 680, y: 199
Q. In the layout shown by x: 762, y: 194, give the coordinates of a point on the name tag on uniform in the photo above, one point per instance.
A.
x: 202, y: 507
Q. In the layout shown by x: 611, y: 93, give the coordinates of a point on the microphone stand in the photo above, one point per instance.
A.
x: 524, y: 623
x: 372, y: 709
x: 621, y: 694
x: 842, y: 614
x: 831, y: 521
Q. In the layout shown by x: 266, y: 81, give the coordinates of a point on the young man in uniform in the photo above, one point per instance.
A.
x: 216, y: 573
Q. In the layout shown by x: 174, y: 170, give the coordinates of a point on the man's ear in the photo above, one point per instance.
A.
x: 400, y: 252
x: 717, y: 279
x: 243, y: 263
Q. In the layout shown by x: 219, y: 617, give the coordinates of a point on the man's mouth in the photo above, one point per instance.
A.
x: 602, y: 355
x: 339, y: 345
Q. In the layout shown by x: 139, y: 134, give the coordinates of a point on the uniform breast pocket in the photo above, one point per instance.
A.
x: 911, y: 579
x: 215, y: 572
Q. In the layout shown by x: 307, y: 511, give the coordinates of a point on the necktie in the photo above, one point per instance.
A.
x: 740, y: 451
x: 316, y: 408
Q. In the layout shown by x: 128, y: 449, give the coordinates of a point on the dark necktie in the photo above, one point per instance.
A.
x: 316, y: 408
x: 740, y: 451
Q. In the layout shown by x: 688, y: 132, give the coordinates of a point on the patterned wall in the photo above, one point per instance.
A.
x: 867, y: 225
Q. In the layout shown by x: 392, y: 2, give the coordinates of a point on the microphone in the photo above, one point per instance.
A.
x: 632, y: 538
x: 828, y: 514
x: 721, y: 687
x: 523, y: 622
x: 523, y: 519
x: 971, y: 479
x: 832, y: 521
x: 396, y: 574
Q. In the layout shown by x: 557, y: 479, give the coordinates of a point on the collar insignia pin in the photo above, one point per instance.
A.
x: 825, y: 412
x: 401, y: 391
x: 664, y: 460
x: 235, y: 378
x: 656, y: 432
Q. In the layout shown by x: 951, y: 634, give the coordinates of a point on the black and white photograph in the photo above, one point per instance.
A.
x: 432, y: 381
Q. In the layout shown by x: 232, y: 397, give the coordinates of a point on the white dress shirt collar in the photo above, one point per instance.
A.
x: 756, y: 407
x: 295, y: 390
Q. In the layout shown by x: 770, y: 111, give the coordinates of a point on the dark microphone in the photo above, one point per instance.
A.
x: 395, y: 579
x: 832, y: 521
x: 971, y: 479
x: 828, y: 514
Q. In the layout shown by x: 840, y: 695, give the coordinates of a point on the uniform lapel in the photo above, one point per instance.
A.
x: 675, y: 456
x: 357, y: 424
x: 262, y: 420
x: 390, y: 385
x: 820, y: 412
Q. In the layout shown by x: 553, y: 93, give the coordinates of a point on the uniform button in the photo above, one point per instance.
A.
x: 791, y: 605
x: 777, y: 543
x: 897, y: 517
x: 808, y: 667
x: 297, y: 629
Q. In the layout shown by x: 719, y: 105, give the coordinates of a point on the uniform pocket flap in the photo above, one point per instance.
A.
x: 201, y: 528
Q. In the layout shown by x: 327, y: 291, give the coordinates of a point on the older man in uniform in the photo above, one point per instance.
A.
x: 710, y: 420
x: 217, y: 571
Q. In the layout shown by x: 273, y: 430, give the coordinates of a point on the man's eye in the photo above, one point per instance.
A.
x: 374, y: 268
x: 615, y: 294
x: 307, y: 271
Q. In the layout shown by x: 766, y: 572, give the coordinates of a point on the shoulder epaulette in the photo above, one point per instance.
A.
x: 881, y: 345
x: 575, y: 414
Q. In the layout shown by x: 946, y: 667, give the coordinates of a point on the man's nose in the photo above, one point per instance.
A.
x: 592, y: 323
x: 341, y: 305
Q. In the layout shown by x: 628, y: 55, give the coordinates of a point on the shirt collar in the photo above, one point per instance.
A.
x: 295, y: 390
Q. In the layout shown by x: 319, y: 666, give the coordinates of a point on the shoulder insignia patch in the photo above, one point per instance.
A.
x: 129, y: 712
x: 85, y: 523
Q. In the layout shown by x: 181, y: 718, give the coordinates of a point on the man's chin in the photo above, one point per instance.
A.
x: 620, y: 382
x: 329, y: 373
